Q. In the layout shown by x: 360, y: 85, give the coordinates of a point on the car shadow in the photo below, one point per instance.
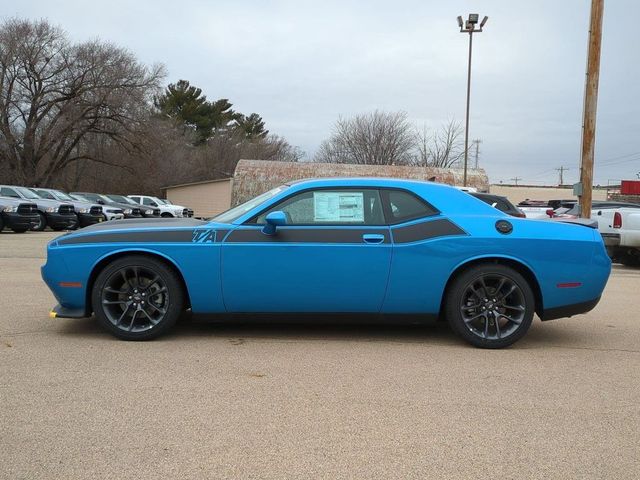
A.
x: 329, y: 329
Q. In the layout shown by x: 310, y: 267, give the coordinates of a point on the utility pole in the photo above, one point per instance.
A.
x: 516, y: 180
x: 590, y: 106
x: 561, y: 170
x: 469, y: 27
x: 477, y: 143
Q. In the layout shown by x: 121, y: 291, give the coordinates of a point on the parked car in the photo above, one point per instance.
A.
x: 619, y: 225
x: 146, y: 212
x: 543, y: 208
x: 501, y: 203
x: 129, y: 211
x: 376, y: 246
x: 57, y: 215
x: 167, y: 209
x: 88, y: 213
x: 574, y: 210
x: 168, y: 202
x: 18, y: 215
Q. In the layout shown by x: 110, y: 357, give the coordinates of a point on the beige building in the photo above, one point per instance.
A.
x: 253, y: 177
x: 527, y: 192
x: 206, y: 198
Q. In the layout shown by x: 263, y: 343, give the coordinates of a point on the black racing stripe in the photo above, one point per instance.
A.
x: 426, y: 230
x: 304, y: 235
x: 169, y: 236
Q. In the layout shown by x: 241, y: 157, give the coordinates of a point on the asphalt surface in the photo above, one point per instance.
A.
x: 312, y: 401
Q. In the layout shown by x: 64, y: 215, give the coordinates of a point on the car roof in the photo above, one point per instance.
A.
x: 380, y: 182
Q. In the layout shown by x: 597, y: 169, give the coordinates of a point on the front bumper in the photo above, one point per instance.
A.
x: 611, y: 239
x: 62, y: 312
x: 86, y: 219
x: 62, y: 220
x: 114, y: 216
x: 20, y: 221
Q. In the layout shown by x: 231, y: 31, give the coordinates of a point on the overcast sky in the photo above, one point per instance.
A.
x: 302, y: 64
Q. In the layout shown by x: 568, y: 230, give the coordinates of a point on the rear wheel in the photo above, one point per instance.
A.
x: 42, y: 223
x: 137, y: 298
x: 166, y: 215
x: 490, y: 306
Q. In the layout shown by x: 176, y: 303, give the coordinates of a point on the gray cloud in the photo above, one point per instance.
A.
x: 301, y: 64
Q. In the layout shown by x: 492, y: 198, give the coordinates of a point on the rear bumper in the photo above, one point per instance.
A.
x: 568, y: 310
x: 611, y: 239
x: 59, y: 220
x: 20, y: 221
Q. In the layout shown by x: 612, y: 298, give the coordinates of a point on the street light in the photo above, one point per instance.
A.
x: 469, y: 27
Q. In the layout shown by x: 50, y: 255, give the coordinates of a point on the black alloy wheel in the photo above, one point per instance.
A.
x: 137, y: 298
x: 490, y: 306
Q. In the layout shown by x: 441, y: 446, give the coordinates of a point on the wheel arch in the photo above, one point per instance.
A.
x: 516, y: 264
x: 111, y: 256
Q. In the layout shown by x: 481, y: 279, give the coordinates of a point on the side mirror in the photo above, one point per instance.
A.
x: 153, y: 204
x: 599, y: 212
x: 101, y: 202
x: 274, y: 220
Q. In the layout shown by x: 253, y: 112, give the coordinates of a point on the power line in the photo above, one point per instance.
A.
x: 516, y: 180
x: 561, y: 170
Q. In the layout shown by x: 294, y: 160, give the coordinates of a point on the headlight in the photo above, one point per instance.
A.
x: 148, y: 212
x: 10, y: 209
x: 51, y: 209
x: 83, y: 210
x: 128, y: 211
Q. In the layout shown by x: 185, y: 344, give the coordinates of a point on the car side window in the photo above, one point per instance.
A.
x: 135, y: 199
x: 9, y: 192
x: 147, y: 201
x: 404, y: 206
x: 330, y: 207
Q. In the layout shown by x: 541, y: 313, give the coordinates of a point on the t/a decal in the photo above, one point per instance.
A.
x: 204, y: 235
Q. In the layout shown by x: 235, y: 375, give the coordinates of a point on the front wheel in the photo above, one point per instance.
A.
x: 137, y: 298
x: 490, y: 306
x: 42, y: 223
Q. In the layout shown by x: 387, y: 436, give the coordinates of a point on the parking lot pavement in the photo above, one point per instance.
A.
x: 312, y: 401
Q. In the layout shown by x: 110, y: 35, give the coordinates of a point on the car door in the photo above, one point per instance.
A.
x: 333, y: 255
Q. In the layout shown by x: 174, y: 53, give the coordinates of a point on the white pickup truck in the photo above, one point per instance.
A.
x: 620, y: 230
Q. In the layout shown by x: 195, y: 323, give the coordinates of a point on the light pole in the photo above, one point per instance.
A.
x: 469, y: 27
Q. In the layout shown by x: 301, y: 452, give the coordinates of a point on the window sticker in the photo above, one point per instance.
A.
x: 338, y: 206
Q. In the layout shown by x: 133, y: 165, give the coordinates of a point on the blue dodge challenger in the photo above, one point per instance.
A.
x: 341, y: 245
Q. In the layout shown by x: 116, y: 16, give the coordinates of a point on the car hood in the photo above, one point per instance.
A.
x: 46, y: 203
x: 6, y: 201
x: 80, y: 204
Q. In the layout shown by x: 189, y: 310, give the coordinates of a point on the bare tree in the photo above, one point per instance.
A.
x: 443, y: 148
x: 55, y: 96
x: 377, y: 138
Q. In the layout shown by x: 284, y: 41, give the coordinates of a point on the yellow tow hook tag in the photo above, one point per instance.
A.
x: 52, y: 314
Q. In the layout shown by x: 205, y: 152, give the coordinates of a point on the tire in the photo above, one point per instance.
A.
x: 166, y: 215
x: 151, y: 287
x: 630, y: 260
x: 42, y: 223
x: 490, y: 306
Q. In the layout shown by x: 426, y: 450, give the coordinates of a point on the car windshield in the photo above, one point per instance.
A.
x: 236, y: 212
x: 44, y: 194
x: 121, y: 199
x: 27, y: 193
x: 60, y: 195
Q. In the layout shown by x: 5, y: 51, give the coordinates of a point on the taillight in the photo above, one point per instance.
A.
x: 617, y: 220
x: 550, y: 212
